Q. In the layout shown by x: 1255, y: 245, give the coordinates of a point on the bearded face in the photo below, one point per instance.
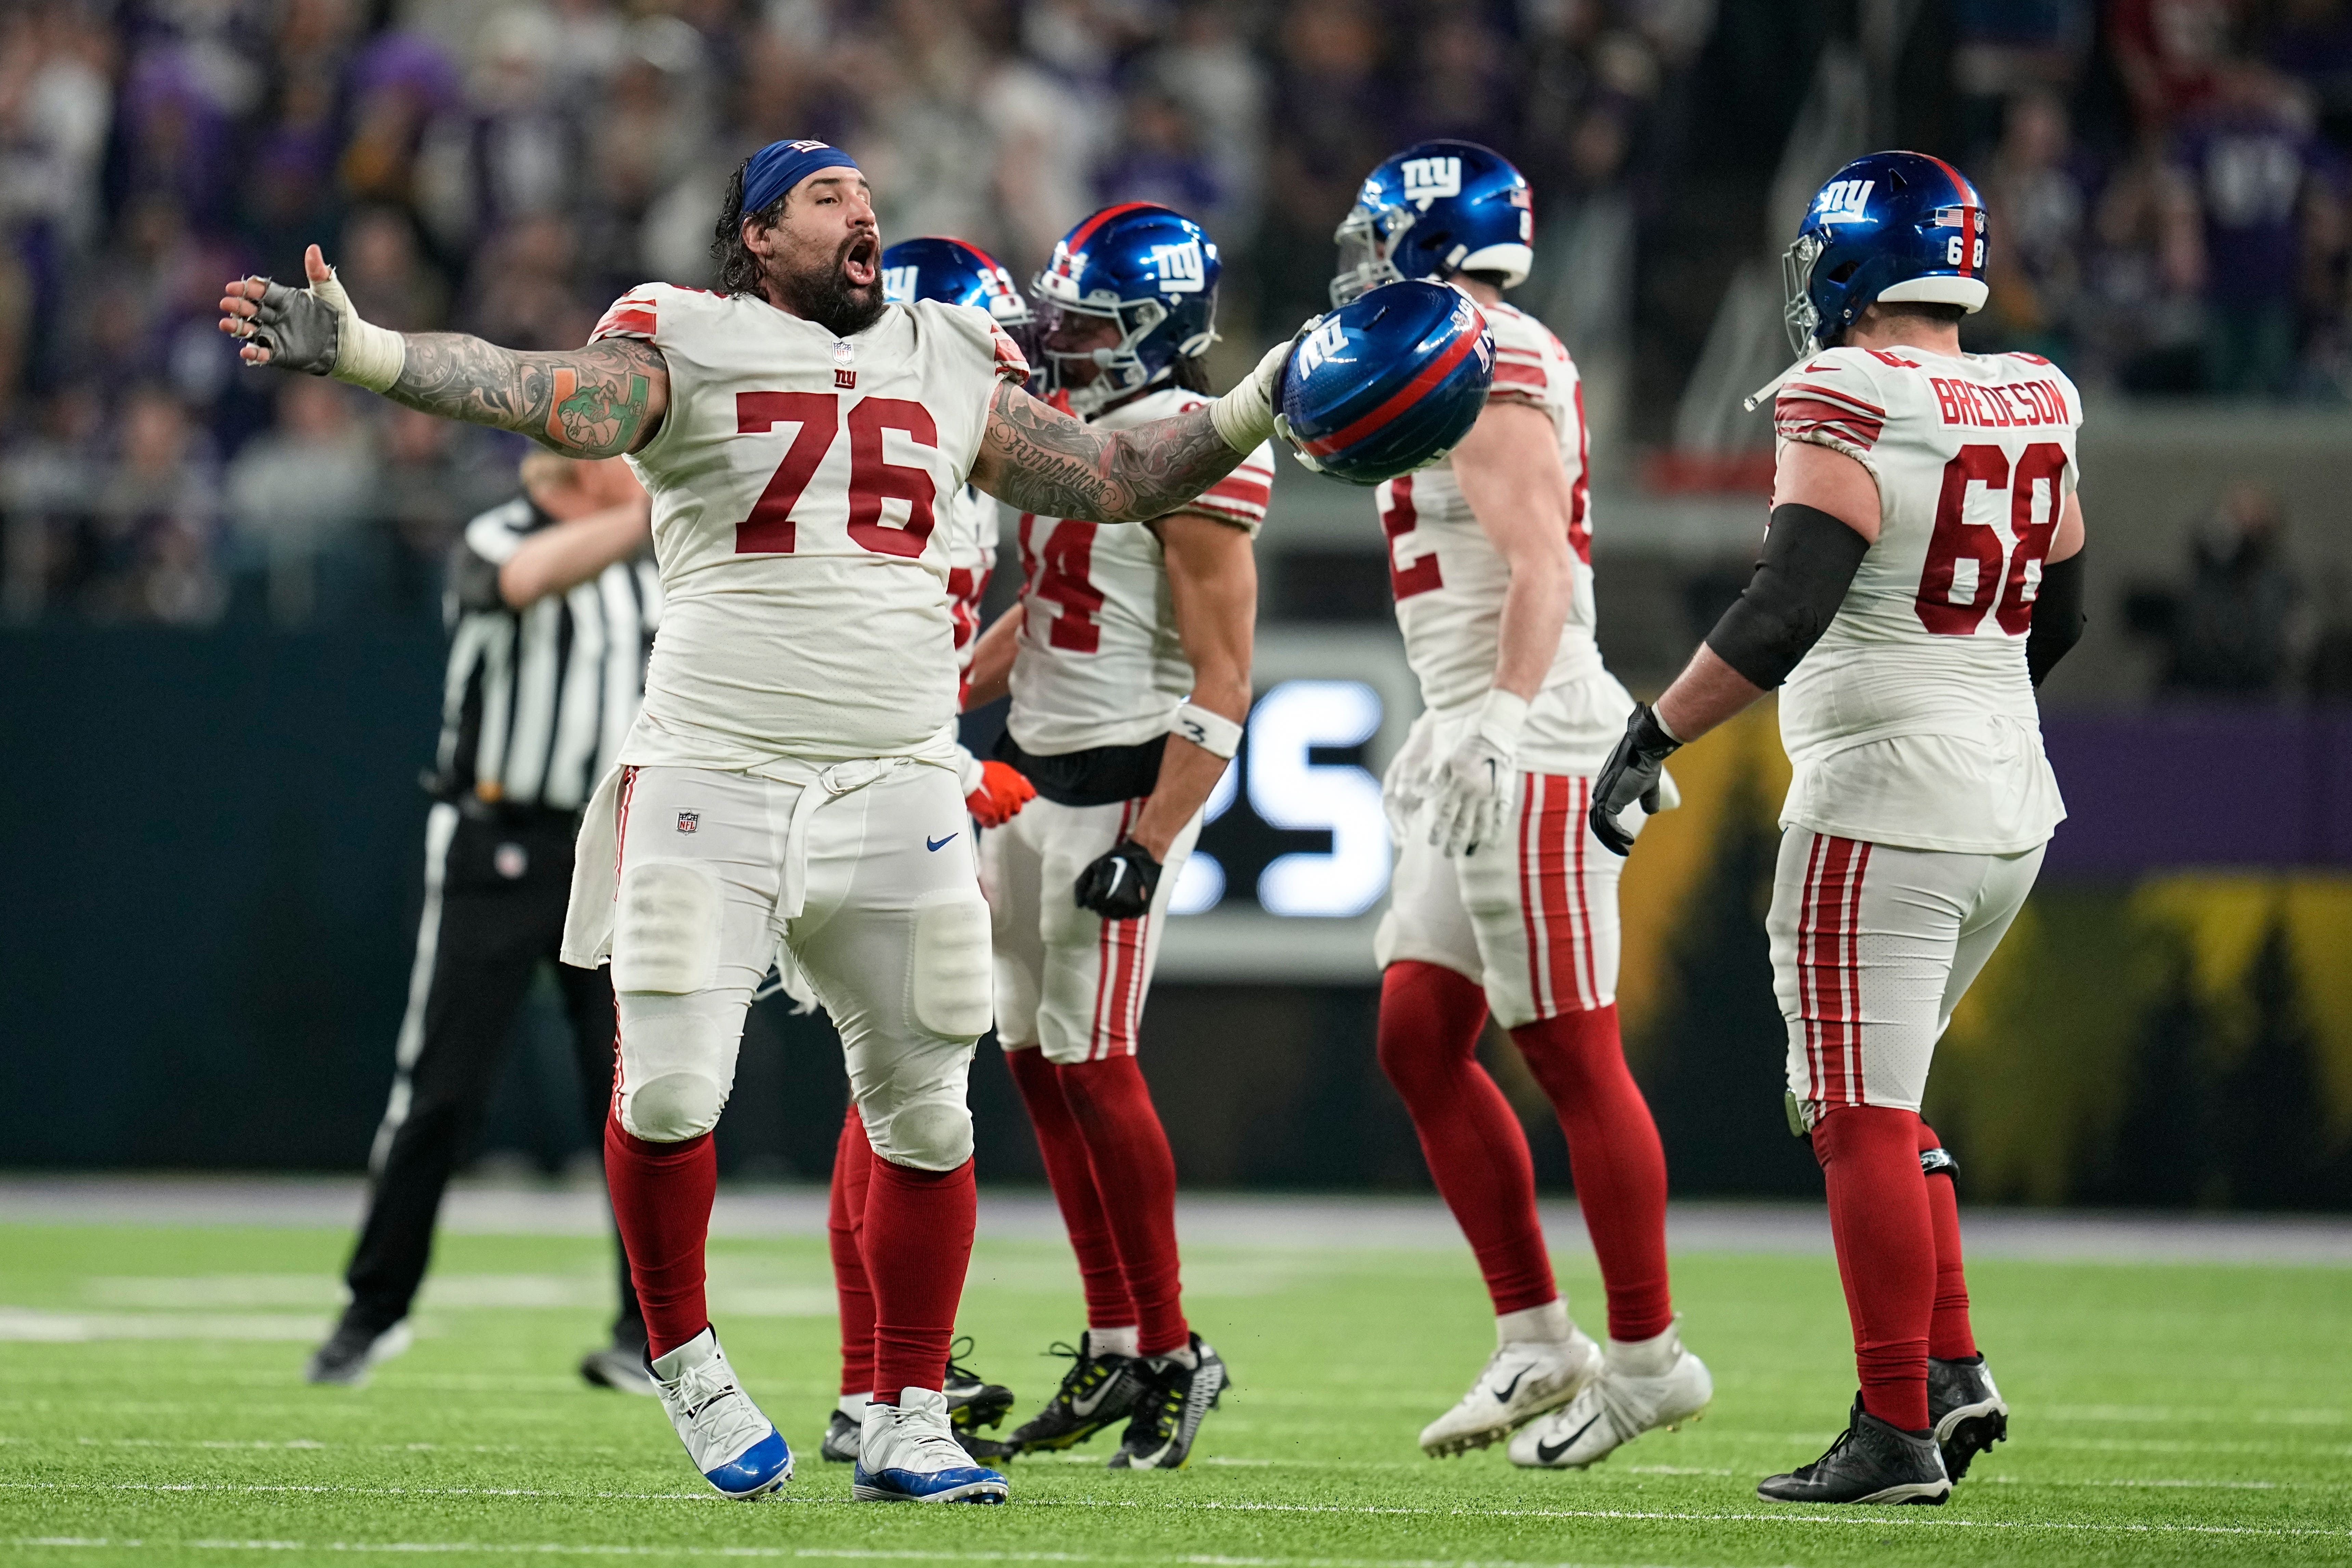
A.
x: 823, y: 255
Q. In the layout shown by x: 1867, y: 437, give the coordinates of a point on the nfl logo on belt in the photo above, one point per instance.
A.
x: 689, y: 821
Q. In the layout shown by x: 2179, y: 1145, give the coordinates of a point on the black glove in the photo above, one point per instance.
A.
x: 300, y: 331
x: 1119, y: 885
x: 1630, y: 773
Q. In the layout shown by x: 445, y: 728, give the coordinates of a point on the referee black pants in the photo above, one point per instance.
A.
x: 495, y: 891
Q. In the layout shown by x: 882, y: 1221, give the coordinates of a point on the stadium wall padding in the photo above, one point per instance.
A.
x: 213, y: 847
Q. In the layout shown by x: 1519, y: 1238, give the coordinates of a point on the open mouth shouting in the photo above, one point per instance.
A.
x: 861, y: 260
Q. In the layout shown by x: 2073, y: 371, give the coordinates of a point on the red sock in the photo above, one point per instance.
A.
x: 917, y: 1243
x: 1128, y: 1148
x: 1615, y: 1158
x: 1477, y: 1152
x: 1885, y: 1252
x: 853, y: 1164
x: 661, y: 1201
x: 1072, y: 1176
x: 1949, y: 1338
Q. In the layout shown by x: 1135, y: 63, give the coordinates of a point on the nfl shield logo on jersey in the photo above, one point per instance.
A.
x: 689, y: 822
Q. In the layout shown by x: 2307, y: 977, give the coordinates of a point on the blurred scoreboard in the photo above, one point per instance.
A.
x: 1292, y: 870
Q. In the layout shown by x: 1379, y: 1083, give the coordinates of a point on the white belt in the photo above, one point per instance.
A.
x: 830, y: 785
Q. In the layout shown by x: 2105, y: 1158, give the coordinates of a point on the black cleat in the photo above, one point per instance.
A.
x: 1965, y: 1411
x: 622, y: 1367
x: 1096, y: 1390
x: 841, y: 1435
x: 973, y: 1402
x: 1168, y: 1411
x: 352, y: 1350
x: 1869, y: 1462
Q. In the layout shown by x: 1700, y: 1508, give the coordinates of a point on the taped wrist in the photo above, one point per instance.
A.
x: 1244, y: 418
x: 365, y: 354
x: 2057, y: 616
x: 1212, y: 732
x: 1809, y: 559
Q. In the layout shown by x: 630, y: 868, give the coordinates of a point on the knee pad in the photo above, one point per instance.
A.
x: 665, y: 931
x: 952, y: 996
x: 916, y: 1112
x: 672, y: 1107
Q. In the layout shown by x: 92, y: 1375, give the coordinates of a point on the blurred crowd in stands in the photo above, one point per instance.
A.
x: 2167, y: 179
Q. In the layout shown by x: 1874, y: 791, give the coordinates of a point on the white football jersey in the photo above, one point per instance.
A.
x: 1098, y: 662
x: 798, y: 482
x: 1912, y: 721
x: 969, y: 527
x: 1449, y: 579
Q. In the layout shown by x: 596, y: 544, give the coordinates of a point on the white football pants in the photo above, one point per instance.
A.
x: 1068, y: 980
x: 891, y: 931
x: 1872, y: 949
x: 1533, y: 920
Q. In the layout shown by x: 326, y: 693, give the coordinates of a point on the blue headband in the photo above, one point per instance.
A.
x: 779, y: 165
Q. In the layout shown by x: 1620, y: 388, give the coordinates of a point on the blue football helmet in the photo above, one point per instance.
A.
x: 1892, y: 226
x: 1433, y: 210
x: 1151, y: 270
x: 1388, y: 383
x: 955, y: 272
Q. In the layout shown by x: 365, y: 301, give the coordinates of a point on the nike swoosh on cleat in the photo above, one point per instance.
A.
x: 1087, y: 1406
x: 936, y: 845
x: 1508, y: 1389
x: 1550, y: 1453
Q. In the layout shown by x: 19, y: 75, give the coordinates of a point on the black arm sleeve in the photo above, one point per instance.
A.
x: 1810, y: 559
x: 2057, y: 616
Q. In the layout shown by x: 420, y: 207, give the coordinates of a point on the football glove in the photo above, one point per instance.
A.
x: 1002, y: 791
x: 318, y: 331
x: 1119, y: 885
x: 1632, y: 773
x: 1402, y: 785
x: 1470, y: 792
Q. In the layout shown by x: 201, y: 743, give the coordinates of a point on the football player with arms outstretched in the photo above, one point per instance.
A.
x: 1128, y: 658
x: 1923, y: 571
x: 1501, y: 902
x: 792, y: 774
x: 955, y: 272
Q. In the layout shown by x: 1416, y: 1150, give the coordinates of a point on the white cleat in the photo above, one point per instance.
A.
x: 1619, y: 1405
x: 737, y: 1450
x: 908, y: 1452
x: 1522, y: 1379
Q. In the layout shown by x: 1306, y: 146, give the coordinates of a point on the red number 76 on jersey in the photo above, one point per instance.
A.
x: 771, y: 530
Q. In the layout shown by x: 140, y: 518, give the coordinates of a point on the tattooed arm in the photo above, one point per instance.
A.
x: 595, y: 401
x: 1043, y: 460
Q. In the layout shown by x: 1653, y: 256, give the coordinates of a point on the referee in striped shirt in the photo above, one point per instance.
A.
x: 551, y: 608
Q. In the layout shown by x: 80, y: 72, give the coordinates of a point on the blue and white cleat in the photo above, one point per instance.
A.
x: 737, y: 1450
x: 908, y: 1452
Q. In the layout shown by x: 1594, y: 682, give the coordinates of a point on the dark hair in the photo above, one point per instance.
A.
x: 1190, y: 371
x: 739, y: 269
x: 1490, y: 277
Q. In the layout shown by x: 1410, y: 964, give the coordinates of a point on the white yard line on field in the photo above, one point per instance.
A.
x: 592, y: 1549
x: 1874, y: 1518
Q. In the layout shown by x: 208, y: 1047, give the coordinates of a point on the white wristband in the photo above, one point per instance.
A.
x: 365, y: 354
x: 1212, y: 732
x: 1501, y: 718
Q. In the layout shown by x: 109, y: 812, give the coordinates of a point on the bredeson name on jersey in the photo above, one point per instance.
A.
x: 799, y: 485
x: 1913, y: 721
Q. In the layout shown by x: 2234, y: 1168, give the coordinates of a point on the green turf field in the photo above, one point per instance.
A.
x: 2163, y: 1414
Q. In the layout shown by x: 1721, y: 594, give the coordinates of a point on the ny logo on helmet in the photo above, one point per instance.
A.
x: 1844, y: 201
x: 1321, y: 344
x: 898, y: 283
x: 1181, y: 267
x: 1426, y: 179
